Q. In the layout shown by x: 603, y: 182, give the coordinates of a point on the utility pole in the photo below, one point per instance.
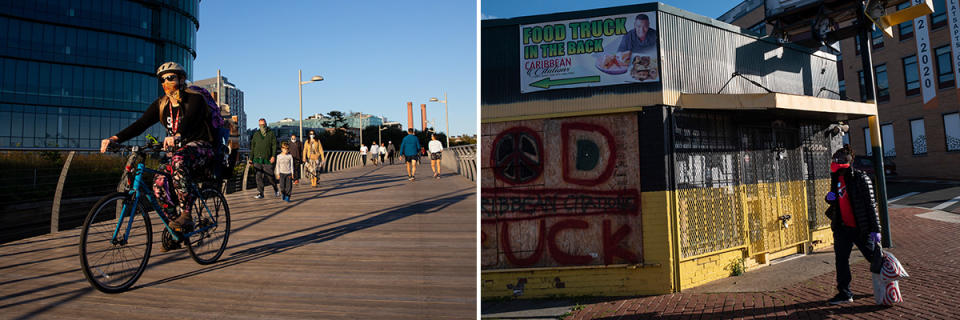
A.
x: 866, y: 60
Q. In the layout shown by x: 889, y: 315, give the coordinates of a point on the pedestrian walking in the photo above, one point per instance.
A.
x: 363, y: 154
x: 391, y: 151
x: 313, y: 157
x: 853, y: 215
x: 263, y: 148
x: 296, y: 151
x: 409, y: 147
x: 374, y: 153
x: 285, y: 170
x: 383, y: 153
x: 436, y: 148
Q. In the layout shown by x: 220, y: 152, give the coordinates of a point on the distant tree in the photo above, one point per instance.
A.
x: 335, y: 119
x: 338, y: 140
x: 464, y: 140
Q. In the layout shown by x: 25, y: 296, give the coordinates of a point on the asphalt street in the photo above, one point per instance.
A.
x: 943, y: 196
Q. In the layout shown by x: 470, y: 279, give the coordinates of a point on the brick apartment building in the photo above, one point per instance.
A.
x: 922, y: 142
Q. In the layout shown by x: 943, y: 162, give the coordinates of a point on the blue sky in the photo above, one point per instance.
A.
x: 374, y: 56
x: 510, y: 8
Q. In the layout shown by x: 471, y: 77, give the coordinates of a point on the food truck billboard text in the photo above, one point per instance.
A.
x: 591, y: 52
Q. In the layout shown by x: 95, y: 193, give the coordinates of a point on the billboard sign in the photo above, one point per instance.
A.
x: 589, y: 52
x: 777, y: 7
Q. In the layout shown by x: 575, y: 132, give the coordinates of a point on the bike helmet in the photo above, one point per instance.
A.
x: 170, y: 67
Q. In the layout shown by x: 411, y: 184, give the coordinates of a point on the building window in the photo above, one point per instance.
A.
x: 944, y: 67
x: 911, y: 75
x: 918, y: 137
x: 856, y: 44
x: 876, y: 38
x: 866, y: 140
x: 863, y: 91
x: 906, y: 28
x: 883, y: 86
x: 759, y: 28
x: 951, y: 129
x: 939, y: 16
x: 843, y: 89
x: 886, y: 138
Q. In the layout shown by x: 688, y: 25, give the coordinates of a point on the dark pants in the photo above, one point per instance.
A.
x: 264, y: 175
x: 391, y: 155
x: 296, y: 169
x: 364, y: 158
x: 843, y: 241
x: 286, y: 184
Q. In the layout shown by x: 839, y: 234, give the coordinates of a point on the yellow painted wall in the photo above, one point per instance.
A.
x: 701, y: 270
x: 825, y: 236
x: 653, y: 277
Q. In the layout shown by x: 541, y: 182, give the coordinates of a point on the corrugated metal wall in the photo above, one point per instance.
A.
x: 700, y: 58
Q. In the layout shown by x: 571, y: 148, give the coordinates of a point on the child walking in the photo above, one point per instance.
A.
x: 285, y: 170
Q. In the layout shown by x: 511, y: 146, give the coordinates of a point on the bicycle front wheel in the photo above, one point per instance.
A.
x: 114, y: 263
x: 206, y: 246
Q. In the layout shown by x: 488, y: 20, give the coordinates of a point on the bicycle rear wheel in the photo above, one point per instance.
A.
x: 207, y: 246
x: 112, y: 266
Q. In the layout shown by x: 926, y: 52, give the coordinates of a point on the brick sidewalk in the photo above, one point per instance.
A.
x: 927, y: 249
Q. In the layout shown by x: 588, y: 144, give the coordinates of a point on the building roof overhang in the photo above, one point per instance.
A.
x: 805, y: 106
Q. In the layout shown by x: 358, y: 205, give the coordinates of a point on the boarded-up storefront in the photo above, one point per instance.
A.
x: 612, y: 165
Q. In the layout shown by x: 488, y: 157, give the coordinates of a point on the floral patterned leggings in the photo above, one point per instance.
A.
x: 188, y: 161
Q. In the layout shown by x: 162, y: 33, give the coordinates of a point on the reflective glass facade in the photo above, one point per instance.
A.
x: 73, y: 72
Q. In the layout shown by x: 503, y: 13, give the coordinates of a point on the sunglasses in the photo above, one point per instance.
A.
x: 171, y: 77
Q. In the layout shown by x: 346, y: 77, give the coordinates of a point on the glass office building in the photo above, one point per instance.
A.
x: 77, y: 71
x: 360, y: 120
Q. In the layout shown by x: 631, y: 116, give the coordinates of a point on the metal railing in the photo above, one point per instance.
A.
x: 50, y: 189
x: 464, y: 160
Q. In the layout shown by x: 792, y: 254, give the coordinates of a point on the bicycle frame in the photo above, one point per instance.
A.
x: 139, y: 189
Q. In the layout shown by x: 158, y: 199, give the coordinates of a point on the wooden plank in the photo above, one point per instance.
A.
x: 366, y: 244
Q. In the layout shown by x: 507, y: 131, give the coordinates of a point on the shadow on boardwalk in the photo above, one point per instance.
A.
x: 320, y: 235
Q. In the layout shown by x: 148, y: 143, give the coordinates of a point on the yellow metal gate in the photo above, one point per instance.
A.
x: 774, y: 192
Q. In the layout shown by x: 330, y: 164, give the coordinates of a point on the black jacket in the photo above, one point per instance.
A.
x: 862, y: 201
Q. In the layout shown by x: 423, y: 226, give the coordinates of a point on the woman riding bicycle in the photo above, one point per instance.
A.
x: 186, y: 117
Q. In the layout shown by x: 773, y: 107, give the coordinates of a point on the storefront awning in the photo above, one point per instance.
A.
x: 788, y: 103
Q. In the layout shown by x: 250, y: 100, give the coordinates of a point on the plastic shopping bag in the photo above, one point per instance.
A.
x: 886, y: 291
x: 892, y: 269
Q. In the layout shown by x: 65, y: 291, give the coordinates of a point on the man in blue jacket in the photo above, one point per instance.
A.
x: 408, y: 149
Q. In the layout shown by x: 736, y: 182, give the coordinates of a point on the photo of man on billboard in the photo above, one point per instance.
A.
x: 640, y: 38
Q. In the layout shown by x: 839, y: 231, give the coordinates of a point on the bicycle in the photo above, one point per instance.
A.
x: 111, y: 231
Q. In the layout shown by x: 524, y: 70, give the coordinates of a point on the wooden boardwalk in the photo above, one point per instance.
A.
x: 367, y: 244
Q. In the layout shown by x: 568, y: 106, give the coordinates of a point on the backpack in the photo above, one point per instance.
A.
x: 219, y: 132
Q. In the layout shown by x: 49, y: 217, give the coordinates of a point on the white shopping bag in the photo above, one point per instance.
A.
x: 892, y: 269
x: 886, y: 291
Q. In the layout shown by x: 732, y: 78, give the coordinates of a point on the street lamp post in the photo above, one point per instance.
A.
x: 446, y: 115
x: 379, y: 133
x: 300, y: 83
